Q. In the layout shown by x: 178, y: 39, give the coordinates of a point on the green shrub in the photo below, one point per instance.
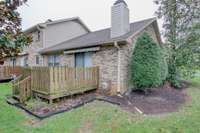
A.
x: 148, y: 68
x: 173, y: 75
x: 164, y: 65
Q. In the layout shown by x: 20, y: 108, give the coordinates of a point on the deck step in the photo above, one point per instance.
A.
x: 12, y: 101
x: 17, y: 97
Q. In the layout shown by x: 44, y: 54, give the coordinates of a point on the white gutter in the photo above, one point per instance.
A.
x: 119, y: 68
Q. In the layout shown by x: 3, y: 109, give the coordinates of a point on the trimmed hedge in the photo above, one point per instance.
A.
x: 148, y: 67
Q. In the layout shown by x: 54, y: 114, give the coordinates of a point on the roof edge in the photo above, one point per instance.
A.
x: 151, y: 20
x: 43, y: 25
x: 158, y: 35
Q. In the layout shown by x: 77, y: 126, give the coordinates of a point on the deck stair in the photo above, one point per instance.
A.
x: 22, y: 88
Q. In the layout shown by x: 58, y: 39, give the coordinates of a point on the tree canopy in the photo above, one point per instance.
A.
x: 12, y: 39
x: 179, y: 17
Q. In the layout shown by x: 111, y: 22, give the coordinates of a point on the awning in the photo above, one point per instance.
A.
x: 93, y: 49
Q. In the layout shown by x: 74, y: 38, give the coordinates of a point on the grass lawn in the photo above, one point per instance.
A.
x: 99, y: 117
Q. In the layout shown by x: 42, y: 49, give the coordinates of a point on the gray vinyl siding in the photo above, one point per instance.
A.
x: 58, y: 33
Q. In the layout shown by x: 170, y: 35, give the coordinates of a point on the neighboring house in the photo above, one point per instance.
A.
x: 70, y: 43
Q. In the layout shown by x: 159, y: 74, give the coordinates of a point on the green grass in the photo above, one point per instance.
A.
x: 99, y: 117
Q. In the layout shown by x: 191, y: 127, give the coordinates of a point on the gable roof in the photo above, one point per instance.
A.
x: 50, y: 22
x: 98, y: 38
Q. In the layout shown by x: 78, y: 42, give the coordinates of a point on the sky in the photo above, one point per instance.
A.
x: 96, y: 14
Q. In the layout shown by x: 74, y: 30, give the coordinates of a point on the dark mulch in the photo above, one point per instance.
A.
x: 157, y: 101
x: 62, y: 105
x: 160, y: 100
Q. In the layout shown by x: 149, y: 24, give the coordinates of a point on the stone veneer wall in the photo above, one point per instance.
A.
x: 107, y: 60
x: 126, y: 54
x: 32, y: 51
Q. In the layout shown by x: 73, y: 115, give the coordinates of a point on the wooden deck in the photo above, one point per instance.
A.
x: 54, y: 82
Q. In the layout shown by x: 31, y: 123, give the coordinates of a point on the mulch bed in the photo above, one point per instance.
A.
x: 160, y: 100
x: 42, y: 110
x: 64, y: 104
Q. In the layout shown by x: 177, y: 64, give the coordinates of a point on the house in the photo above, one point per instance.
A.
x: 70, y: 43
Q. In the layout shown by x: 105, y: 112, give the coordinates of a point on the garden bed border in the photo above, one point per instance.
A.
x: 47, y: 115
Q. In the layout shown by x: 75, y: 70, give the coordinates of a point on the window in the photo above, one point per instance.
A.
x: 53, y: 60
x: 88, y: 59
x: 26, y: 61
x: 37, y: 59
x: 38, y: 36
x: 13, y: 61
x: 79, y: 60
x: 83, y: 59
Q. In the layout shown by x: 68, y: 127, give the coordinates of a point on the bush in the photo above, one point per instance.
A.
x: 148, y: 67
x: 164, y: 65
x: 173, y: 75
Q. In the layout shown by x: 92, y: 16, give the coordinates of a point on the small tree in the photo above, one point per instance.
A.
x: 12, y: 39
x: 147, y: 68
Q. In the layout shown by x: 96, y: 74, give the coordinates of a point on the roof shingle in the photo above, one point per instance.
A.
x: 97, y: 38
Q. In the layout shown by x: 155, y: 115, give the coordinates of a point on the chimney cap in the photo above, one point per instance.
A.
x: 120, y: 1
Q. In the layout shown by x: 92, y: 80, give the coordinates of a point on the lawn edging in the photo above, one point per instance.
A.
x: 50, y: 114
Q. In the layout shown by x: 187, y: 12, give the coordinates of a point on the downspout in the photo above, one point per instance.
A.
x: 119, y: 68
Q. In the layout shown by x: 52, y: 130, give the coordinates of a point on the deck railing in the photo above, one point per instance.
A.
x: 1, y: 72
x: 8, y: 71
x: 40, y: 80
x: 56, y: 82
x: 22, y: 89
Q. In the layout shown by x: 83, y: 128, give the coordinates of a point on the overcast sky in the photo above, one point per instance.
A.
x: 95, y: 13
